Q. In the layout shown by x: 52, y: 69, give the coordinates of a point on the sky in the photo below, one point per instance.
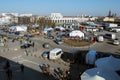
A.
x: 66, y: 7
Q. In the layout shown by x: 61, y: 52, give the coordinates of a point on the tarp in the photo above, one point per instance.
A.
x: 76, y: 33
x: 99, y: 74
x: 91, y: 57
x: 110, y: 63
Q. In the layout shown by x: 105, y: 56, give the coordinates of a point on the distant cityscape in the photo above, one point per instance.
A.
x: 57, y: 18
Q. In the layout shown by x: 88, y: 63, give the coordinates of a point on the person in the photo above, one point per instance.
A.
x: 20, y: 41
x: 26, y: 51
x: 7, y: 64
x: 48, y: 69
x: 33, y: 44
x: 9, y: 74
x: 22, y: 67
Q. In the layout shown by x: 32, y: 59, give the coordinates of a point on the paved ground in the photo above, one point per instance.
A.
x: 16, y: 56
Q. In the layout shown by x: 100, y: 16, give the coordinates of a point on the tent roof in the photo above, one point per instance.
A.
x: 76, y: 33
x: 92, y: 52
x: 106, y: 74
x: 96, y: 77
x: 110, y: 63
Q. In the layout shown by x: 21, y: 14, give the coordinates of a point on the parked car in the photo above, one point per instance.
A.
x: 116, y: 42
x: 26, y: 45
x: 46, y: 45
x: 45, y: 54
x: 28, y: 35
x: 58, y: 40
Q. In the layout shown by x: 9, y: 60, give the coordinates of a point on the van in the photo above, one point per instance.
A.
x: 55, y: 53
x: 100, y: 38
x: 110, y: 36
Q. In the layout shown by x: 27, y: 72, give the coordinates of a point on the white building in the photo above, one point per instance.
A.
x: 59, y: 18
x: 8, y: 18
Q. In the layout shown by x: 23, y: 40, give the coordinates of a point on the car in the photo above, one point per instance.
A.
x: 45, y: 54
x: 28, y: 35
x: 116, y: 42
x: 26, y: 45
x: 46, y: 45
x: 58, y: 41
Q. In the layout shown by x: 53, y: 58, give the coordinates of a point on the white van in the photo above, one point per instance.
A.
x: 55, y: 53
x: 100, y: 38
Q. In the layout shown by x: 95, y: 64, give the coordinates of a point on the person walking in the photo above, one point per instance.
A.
x: 22, y: 68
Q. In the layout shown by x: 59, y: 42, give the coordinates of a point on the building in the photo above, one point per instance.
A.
x: 8, y: 18
x: 60, y: 19
x: 109, y: 19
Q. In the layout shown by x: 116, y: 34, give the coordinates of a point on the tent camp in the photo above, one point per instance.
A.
x: 110, y: 63
x: 76, y: 33
x: 91, y: 57
x: 99, y: 74
x: 18, y: 28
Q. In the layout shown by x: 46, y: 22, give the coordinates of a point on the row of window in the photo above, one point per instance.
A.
x: 63, y: 21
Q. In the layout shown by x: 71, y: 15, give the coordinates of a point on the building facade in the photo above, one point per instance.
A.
x: 60, y: 19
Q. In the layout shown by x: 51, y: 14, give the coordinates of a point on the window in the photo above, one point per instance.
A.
x: 58, y: 53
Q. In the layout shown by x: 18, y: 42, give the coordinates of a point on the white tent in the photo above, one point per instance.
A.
x: 110, y: 63
x: 76, y: 33
x: 99, y: 74
x: 91, y: 57
x: 96, y: 77
x: 60, y: 27
x: 47, y: 29
x: 18, y: 28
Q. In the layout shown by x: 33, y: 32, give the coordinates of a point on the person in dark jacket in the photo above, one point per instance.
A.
x: 22, y: 67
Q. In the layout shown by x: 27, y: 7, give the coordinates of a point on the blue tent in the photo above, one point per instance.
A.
x: 91, y: 57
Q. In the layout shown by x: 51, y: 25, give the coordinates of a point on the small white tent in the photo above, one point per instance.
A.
x: 76, y: 33
x: 18, y: 28
x: 110, y: 63
x: 47, y: 29
x: 60, y: 28
x: 92, y: 74
x: 91, y: 57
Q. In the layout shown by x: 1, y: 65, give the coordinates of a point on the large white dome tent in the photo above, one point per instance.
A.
x: 77, y: 33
